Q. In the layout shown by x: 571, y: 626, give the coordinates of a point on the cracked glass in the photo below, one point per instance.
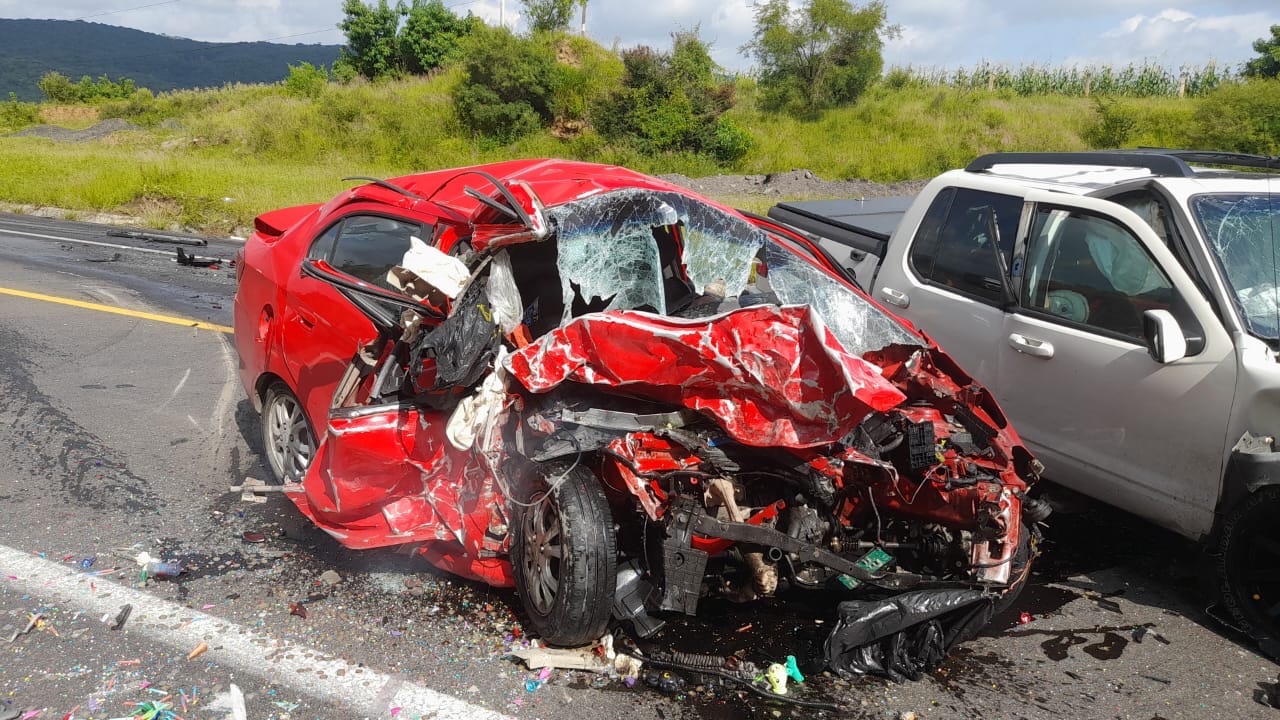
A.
x: 610, y: 254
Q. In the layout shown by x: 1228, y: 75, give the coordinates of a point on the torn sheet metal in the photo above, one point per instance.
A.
x: 770, y: 376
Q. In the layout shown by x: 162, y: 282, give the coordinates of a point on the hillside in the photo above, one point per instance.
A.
x: 31, y: 48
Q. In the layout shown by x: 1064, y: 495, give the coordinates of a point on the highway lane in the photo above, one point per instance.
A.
x: 121, y: 434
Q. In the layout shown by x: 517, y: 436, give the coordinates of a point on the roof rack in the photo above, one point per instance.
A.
x: 1160, y: 161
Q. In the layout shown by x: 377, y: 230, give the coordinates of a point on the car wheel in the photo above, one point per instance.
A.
x: 286, y: 434
x: 564, y: 555
x: 1248, y: 567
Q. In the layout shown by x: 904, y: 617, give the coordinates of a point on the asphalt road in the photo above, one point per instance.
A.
x: 121, y: 433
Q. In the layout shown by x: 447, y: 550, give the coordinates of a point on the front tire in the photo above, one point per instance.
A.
x: 1248, y: 567
x: 564, y: 556
x: 287, y: 438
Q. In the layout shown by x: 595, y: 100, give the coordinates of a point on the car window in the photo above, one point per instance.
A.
x: 954, y: 245
x: 367, y: 246
x: 1092, y: 271
x: 322, y: 247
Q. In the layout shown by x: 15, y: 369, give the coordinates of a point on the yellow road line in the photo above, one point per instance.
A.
x: 118, y: 311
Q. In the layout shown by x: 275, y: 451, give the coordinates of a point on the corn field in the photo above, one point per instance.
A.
x: 1146, y: 80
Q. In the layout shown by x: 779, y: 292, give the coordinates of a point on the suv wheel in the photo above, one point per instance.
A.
x: 1248, y: 567
x: 564, y: 556
x: 286, y: 434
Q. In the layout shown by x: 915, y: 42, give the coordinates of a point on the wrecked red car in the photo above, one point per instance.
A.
x: 617, y: 397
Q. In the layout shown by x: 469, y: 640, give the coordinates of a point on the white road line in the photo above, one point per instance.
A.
x: 302, y: 668
x: 166, y: 253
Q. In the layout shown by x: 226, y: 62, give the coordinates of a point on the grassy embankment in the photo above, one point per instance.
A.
x: 211, y: 160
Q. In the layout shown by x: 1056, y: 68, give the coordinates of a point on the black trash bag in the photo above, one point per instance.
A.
x: 462, y: 346
x: 907, y: 635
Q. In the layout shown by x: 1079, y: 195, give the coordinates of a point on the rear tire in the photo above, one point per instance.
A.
x: 1248, y: 567
x: 564, y: 556
x: 287, y: 438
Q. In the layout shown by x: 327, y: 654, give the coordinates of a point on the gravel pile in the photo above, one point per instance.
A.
x: 95, y: 132
x: 792, y: 184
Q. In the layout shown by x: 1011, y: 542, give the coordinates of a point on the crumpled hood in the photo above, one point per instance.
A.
x: 771, y: 376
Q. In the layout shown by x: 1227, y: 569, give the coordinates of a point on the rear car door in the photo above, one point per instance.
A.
x: 322, y: 330
x: 948, y: 281
x: 1078, y: 382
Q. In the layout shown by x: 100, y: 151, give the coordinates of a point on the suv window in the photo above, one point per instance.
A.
x: 1091, y: 271
x: 953, y: 246
x: 365, y: 246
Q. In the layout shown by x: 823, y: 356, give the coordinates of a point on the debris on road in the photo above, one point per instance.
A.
x: 330, y: 578
x: 122, y: 617
x: 158, y: 238
x: 298, y: 609
x: 198, y: 650
x: 196, y: 261
x: 34, y: 619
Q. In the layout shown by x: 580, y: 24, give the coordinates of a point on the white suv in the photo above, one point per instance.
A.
x: 1124, y: 306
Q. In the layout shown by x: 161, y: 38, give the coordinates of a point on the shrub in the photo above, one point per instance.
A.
x: 672, y: 102
x: 1240, y: 117
x: 306, y: 80
x: 508, y: 85
x: 15, y: 115
x: 1113, y: 126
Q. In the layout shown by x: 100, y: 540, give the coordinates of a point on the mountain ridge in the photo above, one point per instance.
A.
x: 29, y: 48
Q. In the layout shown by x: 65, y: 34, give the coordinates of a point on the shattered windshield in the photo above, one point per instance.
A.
x: 1241, y: 229
x: 667, y: 253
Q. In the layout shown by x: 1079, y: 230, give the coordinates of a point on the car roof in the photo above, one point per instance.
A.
x: 1087, y: 172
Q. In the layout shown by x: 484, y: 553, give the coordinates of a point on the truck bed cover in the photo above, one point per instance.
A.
x: 863, y: 224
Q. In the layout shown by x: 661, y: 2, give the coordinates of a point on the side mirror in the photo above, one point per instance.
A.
x: 1165, y: 340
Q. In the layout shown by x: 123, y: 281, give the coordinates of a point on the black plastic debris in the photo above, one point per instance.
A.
x: 462, y: 346
x: 158, y: 238
x: 904, y: 636
x: 196, y: 261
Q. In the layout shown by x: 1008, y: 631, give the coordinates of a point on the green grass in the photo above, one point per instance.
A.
x: 265, y: 149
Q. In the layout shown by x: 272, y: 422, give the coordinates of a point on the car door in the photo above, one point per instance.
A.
x: 322, y: 330
x: 1075, y: 375
x: 947, y: 282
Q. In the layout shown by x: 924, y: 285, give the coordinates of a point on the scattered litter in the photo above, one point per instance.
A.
x: 115, y: 257
x: 1025, y: 618
x: 88, y: 562
x: 1139, y: 633
x: 746, y: 627
x: 233, y: 701
x: 121, y: 617
x: 34, y: 619
x: 250, y: 490
x: 298, y: 609
x: 793, y: 670
x: 776, y: 678
x: 157, y: 568
x: 254, y: 537
x: 199, y: 650
x: 330, y: 578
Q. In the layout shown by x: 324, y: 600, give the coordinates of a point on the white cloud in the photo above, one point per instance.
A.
x: 1174, y: 36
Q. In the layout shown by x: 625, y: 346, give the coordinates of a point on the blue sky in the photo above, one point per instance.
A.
x: 934, y: 33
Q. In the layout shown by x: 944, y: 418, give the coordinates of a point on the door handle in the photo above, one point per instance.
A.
x: 895, y: 297
x: 1030, y: 346
x: 307, y: 321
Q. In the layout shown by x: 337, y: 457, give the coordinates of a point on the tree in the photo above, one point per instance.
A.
x: 508, y: 84
x: 673, y: 102
x: 58, y: 88
x: 372, y: 48
x: 431, y: 35
x: 1267, y: 65
x: 549, y: 15
x: 824, y: 53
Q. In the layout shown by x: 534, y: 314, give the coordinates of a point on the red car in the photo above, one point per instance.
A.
x: 617, y: 396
